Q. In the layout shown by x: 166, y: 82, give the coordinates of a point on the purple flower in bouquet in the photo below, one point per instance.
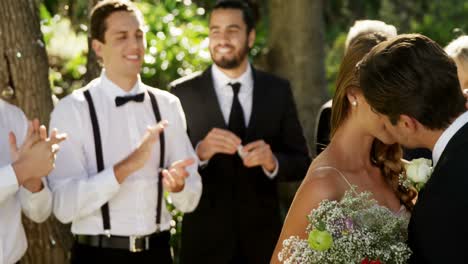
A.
x: 349, y: 224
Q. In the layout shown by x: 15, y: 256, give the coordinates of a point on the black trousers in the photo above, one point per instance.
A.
x: 83, y: 254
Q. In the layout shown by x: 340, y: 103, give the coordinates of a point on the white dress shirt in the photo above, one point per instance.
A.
x: 225, y: 96
x: 79, y: 191
x: 37, y: 206
x: 447, y: 135
x: 225, y: 93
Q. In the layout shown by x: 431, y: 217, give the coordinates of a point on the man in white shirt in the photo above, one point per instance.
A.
x: 108, y: 181
x: 411, y: 83
x: 22, y: 178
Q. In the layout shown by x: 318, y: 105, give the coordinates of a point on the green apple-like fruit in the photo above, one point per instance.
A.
x: 320, y: 240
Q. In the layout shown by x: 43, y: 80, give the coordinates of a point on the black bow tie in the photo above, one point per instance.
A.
x: 121, y: 100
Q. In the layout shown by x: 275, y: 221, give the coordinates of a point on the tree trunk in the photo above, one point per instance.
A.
x: 296, y: 52
x: 93, y: 69
x: 24, y: 81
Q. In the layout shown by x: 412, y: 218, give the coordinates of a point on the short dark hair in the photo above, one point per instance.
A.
x: 412, y: 75
x: 247, y: 11
x: 102, y: 10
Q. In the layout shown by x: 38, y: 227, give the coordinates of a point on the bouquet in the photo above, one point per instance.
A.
x: 353, y: 230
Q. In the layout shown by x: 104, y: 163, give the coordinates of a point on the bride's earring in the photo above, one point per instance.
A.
x: 354, y: 103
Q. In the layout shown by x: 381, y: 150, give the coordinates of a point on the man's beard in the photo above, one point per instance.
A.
x: 232, y: 63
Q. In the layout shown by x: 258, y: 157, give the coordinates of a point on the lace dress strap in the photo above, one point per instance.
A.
x: 340, y: 173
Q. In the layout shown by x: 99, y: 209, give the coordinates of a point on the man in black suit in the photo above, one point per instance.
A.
x: 413, y: 84
x: 244, y: 125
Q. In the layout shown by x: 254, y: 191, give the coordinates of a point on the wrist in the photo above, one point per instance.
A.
x: 33, y: 185
x: 201, y: 154
x: 123, y: 169
x: 270, y: 166
x: 21, y: 171
x: 178, y: 189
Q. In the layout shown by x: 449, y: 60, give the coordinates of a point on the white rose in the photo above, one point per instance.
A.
x: 419, y: 170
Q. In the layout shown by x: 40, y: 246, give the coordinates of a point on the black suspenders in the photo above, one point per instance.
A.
x: 100, y: 159
x: 157, y: 115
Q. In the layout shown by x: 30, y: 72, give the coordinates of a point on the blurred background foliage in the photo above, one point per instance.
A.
x: 177, y: 41
x: 177, y: 33
x: 441, y: 20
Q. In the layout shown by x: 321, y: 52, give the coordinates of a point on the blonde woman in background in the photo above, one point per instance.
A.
x: 458, y: 51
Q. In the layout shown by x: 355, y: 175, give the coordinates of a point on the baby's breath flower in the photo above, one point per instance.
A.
x: 360, y: 228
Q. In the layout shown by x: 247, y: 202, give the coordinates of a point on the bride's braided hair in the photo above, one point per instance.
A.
x: 386, y: 157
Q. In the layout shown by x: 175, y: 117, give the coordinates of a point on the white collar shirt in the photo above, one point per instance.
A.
x: 225, y: 93
x: 13, y: 197
x: 79, y: 191
x: 444, y: 139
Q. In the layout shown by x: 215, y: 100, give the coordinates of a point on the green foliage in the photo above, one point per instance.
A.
x: 176, y: 226
x: 333, y: 60
x: 339, y: 16
x: 177, y: 44
x: 66, y: 49
x: 176, y: 41
x: 443, y: 20
x: 440, y: 20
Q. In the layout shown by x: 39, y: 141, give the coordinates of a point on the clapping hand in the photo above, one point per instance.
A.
x: 138, y: 158
x: 174, y: 177
x: 143, y: 152
x: 35, y: 158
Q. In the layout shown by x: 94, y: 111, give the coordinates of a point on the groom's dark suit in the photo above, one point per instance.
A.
x: 239, y: 212
x: 438, y: 230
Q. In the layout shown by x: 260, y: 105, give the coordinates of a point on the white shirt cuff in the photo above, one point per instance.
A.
x: 187, y: 199
x: 37, y: 206
x: 30, y: 195
x: 272, y: 174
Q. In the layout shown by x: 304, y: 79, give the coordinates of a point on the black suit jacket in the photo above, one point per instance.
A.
x: 438, y: 230
x: 239, y: 210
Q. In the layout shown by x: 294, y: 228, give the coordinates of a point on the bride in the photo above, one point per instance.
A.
x: 354, y: 155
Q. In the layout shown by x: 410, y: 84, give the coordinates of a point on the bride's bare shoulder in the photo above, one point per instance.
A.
x: 322, y: 182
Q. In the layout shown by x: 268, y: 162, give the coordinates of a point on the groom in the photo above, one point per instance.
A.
x: 413, y: 84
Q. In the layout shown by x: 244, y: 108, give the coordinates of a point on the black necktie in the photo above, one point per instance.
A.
x: 121, y: 100
x: 236, y: 118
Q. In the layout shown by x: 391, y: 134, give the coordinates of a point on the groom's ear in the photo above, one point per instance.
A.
x: 408, y: 123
